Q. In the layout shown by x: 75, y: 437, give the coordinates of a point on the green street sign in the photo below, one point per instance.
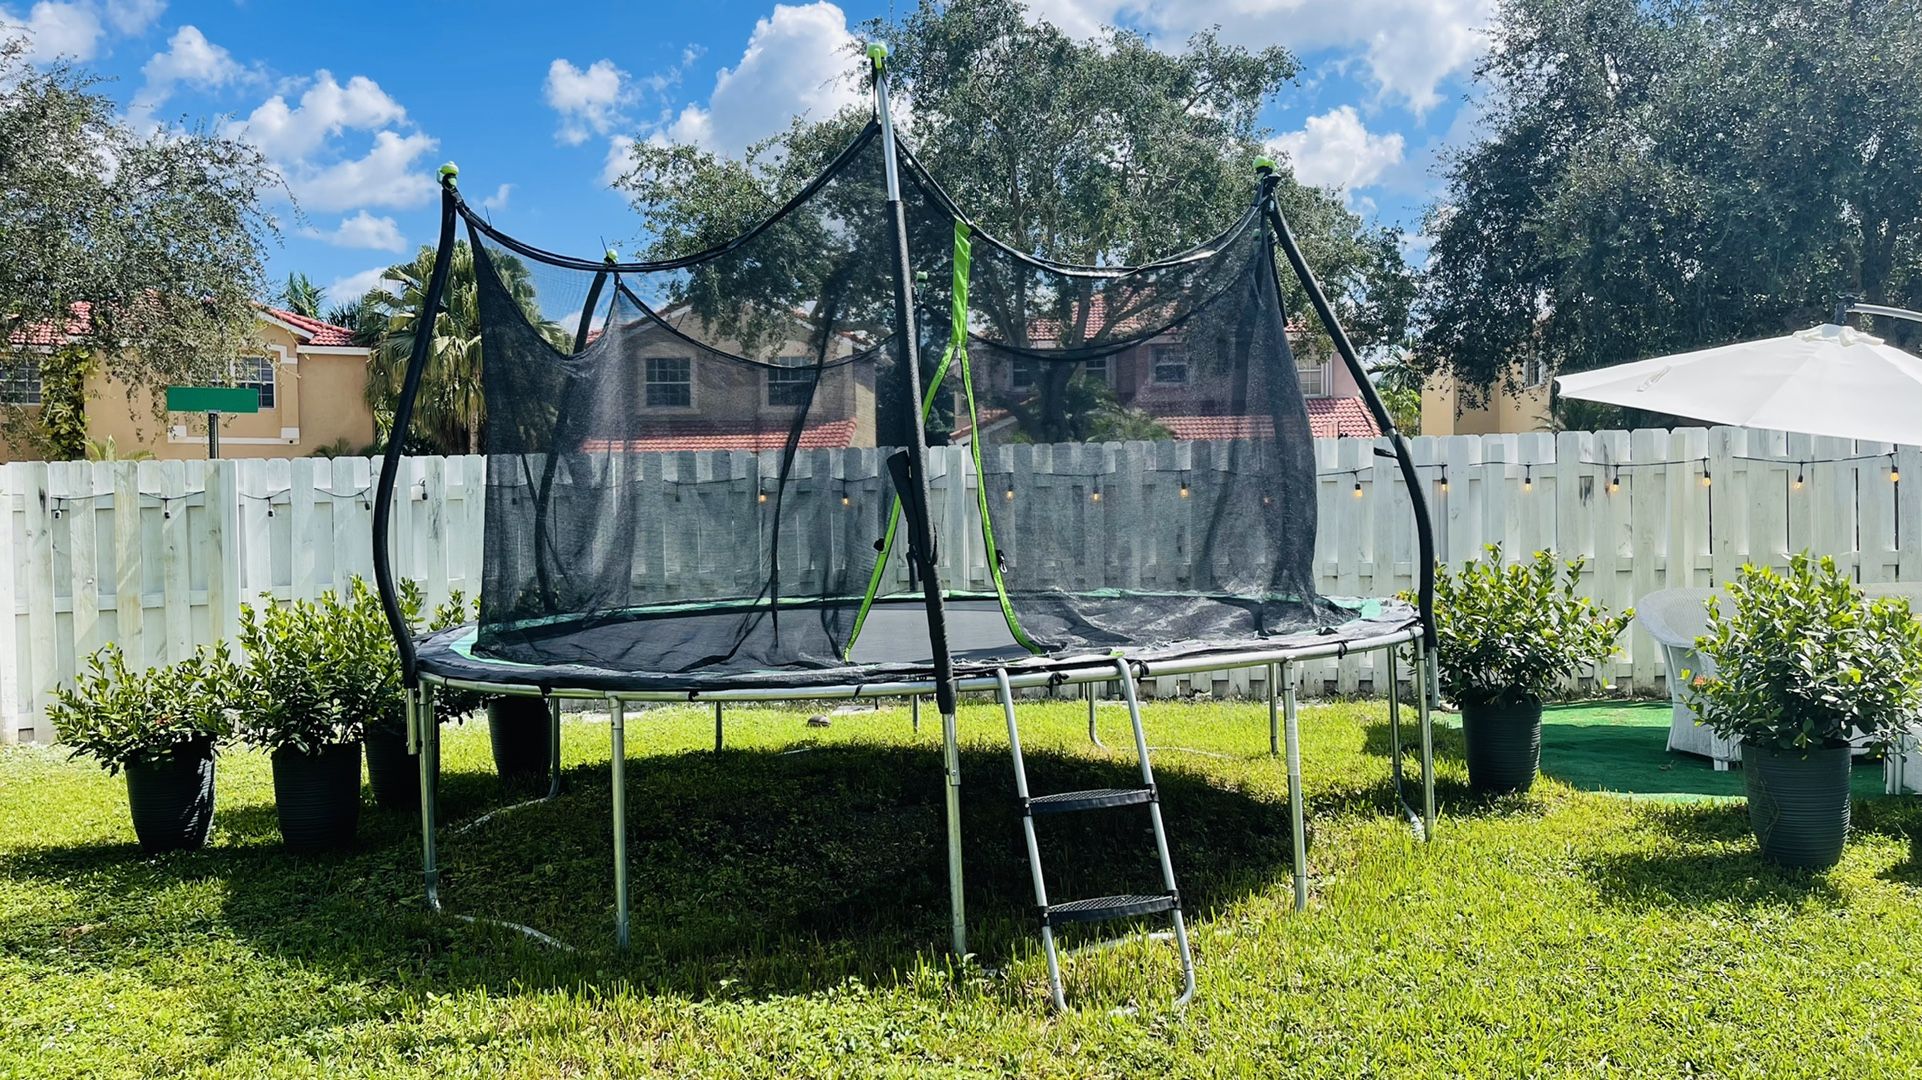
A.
x: 220, y: 399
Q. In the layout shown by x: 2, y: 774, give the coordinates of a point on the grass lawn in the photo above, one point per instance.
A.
x: 790, y: 917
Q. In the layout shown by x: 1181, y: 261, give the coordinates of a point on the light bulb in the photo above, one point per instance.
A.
x: 1358, y: 487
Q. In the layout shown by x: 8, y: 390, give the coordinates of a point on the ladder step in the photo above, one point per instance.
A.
x: 1068, y: 802
x: 1108, y: 907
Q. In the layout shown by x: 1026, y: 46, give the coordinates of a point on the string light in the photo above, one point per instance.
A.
x: 1184, y: 485
x: 1528, y: 478
x: 1706, y: 479
x: 1615, y: 479
x: 1801, y: 476
x: 1444, y: 479
x: 1357, y: 485
x: 1895, y: 474
x: 1008, y: 495
x: 1095, y: 495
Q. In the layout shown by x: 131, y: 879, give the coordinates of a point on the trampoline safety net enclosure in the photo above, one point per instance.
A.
x: 866, y: 448
x: 697, y: 469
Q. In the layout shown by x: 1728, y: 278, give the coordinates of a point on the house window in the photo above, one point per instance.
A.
x: 1534, y: 372
x: 1025, y: 373
x: 1096, y: 370
x: 670, y: 382
x: 1314, y: 380
x: 256, y: 372
x: 20, y: 381
x: 790, y: 382
x: 1170, y: 365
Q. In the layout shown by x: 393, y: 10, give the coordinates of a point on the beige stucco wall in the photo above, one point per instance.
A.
x: 318, y: 400
x: 1501, y: 412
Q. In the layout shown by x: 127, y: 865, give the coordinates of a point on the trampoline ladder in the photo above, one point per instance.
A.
x: 1101, y: 907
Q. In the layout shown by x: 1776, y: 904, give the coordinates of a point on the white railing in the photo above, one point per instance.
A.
x: 158, y: 556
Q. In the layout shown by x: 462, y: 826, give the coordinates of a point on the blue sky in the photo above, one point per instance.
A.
x: 357, y: 103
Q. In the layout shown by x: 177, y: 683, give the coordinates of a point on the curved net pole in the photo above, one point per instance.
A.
x: 424, y: 729
x: 403, y: 418
x: 910, y: 475
x: 1424, y: 528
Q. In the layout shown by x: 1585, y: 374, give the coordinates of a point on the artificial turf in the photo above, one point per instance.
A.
x: 790, y: 917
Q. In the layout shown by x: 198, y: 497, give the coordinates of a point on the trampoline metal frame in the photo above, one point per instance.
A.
x: 424, y: 731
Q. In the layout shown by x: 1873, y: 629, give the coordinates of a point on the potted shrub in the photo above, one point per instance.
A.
x: 1804, y: 664
x: 392, y: 772
x: 517, y: 726
x: 305, y: 696
x: 159, y: 726
x: 1508, y: 638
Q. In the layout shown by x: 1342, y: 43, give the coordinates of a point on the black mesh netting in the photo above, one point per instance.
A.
x: 687, y: 461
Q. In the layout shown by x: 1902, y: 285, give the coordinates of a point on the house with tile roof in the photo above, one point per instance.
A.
x: 309, y: 374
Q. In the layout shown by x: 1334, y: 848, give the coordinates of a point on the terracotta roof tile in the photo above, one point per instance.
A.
x: 709, y: 435
x: 1328, y: 418
x: 320, y: 332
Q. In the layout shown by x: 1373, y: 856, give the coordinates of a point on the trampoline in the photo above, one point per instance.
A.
x: 864, y: 449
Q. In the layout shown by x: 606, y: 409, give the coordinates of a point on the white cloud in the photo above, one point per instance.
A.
x: 498, y: 200
x: 346, y: 290
x: 1335, y: 150
x: 789, y: 68
x: 620, y: 149
x: 589, y: 102
x: 303, y: 142
x: 389, y: 174
x: 191, y: 60
x: 325, y: 110
x: 1410, y: 46
x: 133, y: 16
x: 54, y: 29
x: 364, y: 230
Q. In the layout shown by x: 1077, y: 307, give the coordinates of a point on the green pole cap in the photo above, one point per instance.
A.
x: 878, y: 54
x: 1264, y: 163
x: 613, y: 256
x: 450, y: 174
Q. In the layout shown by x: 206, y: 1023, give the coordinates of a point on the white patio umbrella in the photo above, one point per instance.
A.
x: 1831, y: 380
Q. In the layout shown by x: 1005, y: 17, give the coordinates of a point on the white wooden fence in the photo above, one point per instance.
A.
x: 158, y: 556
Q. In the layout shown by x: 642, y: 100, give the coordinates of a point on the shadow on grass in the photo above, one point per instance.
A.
x: 751, y: 873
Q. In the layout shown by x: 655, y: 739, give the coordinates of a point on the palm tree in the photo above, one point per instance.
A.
x: 300, y: 295
x: 450, y: 408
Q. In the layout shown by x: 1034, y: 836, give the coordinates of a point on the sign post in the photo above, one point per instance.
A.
x: 213, y: 400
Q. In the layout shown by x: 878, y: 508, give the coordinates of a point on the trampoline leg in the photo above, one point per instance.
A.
x: 1274, y: 721
x: 427, y: 734
x: 618, y: 723
x: 1424, y: 663
x: 554, y: 747
x: 914, y: 712
x: 717, y: 727
x: 1402, y: 804
x: 1094, y: 736
x: 951, y: 759
x: 1297, y: 816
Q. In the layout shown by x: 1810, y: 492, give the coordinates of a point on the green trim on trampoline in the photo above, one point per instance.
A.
x: 958, y: 341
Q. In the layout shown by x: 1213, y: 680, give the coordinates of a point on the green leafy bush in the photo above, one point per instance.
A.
x: 121, y: 717
x: 321, y: 672
x: 1517, y: 633
x: 1804, y: 660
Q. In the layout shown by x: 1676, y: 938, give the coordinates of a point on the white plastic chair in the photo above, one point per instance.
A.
x: 1675, y: 618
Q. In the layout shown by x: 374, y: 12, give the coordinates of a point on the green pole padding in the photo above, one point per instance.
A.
x: 878, y: 54
x: 1264, y: 163
x: 450, y: 174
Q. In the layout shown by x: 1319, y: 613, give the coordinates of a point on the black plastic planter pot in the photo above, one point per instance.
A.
x: 317, y: 796
x: 1798, y: 803
x: 1504, y: 746
x: 392, y: 772
x: 517, y: 728
x: 172, y: 799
